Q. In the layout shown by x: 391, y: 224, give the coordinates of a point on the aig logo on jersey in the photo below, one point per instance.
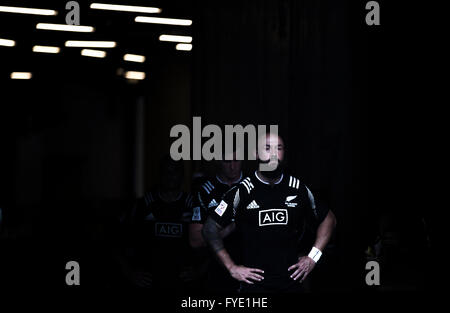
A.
x: 273, y: 217
x: 168, y: 230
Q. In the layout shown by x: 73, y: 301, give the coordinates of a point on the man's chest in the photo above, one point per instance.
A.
x: 277, y: 208
x: 166, y: 221
x: 214, y: 198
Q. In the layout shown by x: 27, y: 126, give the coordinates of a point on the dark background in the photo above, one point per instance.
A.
x: 80, y: 142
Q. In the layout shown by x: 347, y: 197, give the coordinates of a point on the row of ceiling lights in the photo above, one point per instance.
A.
x: 184, y: 43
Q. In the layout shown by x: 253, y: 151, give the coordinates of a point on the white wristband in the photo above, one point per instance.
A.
x: 315, y: 254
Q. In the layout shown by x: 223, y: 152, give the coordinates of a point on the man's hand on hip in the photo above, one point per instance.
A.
x: 246, y: 274
x: 303, y: 267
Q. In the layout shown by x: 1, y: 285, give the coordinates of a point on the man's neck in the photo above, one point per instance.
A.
x: 227, y: 180
x: 270, y: 181
x: 169, y: 195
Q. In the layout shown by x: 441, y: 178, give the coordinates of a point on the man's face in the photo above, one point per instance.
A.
x: 271, y: 149
x: 171, y: 177
x: 231, y: 169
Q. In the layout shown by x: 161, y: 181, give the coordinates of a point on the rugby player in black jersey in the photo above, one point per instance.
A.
x: 270, y: 210
x: 211, y: 191
x: 158, y: 233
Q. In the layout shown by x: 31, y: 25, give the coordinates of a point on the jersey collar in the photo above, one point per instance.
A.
x: 235, y: 182
x: 264, y: 182
x: 178, y: 197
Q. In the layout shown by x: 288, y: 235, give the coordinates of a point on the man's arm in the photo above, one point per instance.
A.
x: 211, y: 233
x: 198, y: 218
x: 195, y: 236
x: 306, y: 264
x: 325, y: 230
x: 220, y: 217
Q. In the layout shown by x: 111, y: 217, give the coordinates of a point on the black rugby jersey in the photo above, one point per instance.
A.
x: 160, y: 232
x: 208, y: 197
x: 271, y: 220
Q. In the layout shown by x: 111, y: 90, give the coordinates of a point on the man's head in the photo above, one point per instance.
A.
x: 270, y: 154
x: 172, y: 173
x: 229, y: 167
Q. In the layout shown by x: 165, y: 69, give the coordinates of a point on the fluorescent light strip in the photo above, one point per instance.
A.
x: 124, y: 8
x: 46, y: 49
x: 134, y: 58
x: 93, y: 53
x: 184, y: 47
x: 134, y: 75
x: 160, y: 20
x: 90, y: 44
x: 27, y: 11
x: 7, y: 42
x: 64, y: 27
x: 185, y: 39
x: 21, y: 75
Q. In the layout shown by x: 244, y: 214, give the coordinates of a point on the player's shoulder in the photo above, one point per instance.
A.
x: 247, y: 184
x: 208, y: 185
x: 294, y: 182
x: 188, y: 199
x: 150, y: 197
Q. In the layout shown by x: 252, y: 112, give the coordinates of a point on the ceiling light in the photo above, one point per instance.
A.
x: 134, y: 58
x: 186, y: 39
x: 21, y: 75
x: 90, y: 44
x: 7, y: 42
x: 124, y: 8
x: 64, y: 27
x: 93, y: 53
x: 184, y: 46
x: 46, y: 49
x: 27, y: 11
x: 134, y: 75
x: 160, y: 20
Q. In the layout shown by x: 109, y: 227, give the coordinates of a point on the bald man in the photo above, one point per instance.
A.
x: 270, y: 210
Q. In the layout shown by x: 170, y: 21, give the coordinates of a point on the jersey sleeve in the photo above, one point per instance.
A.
x: 317, y: 209
x: 226, y: 211
x: 126, y: 233
x: 135, y: 213
x: 199, y: 207
x: 188, y: 209
x: 144, y: 206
